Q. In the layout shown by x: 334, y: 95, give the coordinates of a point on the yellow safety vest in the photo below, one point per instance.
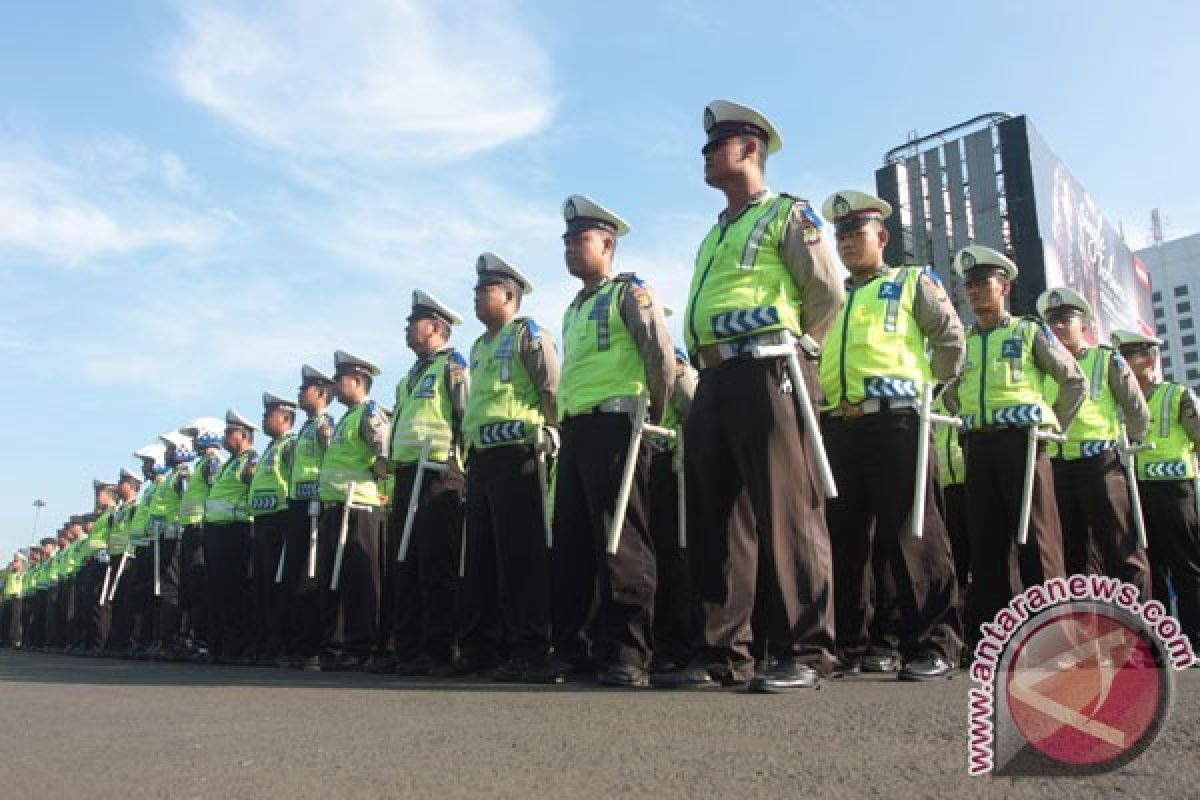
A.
x: 1173, y: 456
x: 269, y: 486
x: 1096, y: 426
x: 348, y: 461
x: 600, y: 359
x: 424, y: 411
x: 503, y: 406
x: 875, y: 348
x: 1001, y: 384
x: 228, y: 500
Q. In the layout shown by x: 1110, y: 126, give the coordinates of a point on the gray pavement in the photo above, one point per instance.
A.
x: 122, y: 729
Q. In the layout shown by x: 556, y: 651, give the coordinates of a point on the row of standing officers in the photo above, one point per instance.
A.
x: 693, y: 529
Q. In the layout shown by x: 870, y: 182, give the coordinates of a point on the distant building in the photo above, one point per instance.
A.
x: 1175, y: 274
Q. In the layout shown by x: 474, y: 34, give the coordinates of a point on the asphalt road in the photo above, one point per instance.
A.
x: 99, y: 728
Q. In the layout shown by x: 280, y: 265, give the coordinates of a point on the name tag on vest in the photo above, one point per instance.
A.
x: 1011, y: 348
x: 890, y: 290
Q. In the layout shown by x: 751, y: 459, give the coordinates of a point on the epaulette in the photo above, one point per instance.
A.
x: 456, y: 359
x: 531, y: 326
x: 372, y: 408
x: 630, y: 277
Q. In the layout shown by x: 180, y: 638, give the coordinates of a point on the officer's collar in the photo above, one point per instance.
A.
x: 756, y: 198
x: 583, y: 294
x: 853, y: 283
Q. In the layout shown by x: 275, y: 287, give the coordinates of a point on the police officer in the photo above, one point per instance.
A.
x: 12, y: 589
x: 304, y: 511
x: 1090, y: 486
x: 228, y: 546
x: 352, y: 471
x: 207, y: 434
x: 616, y: 349
x: 674, y: 615
x: 97, y: 613
x: 873, y: 368
x: 418, y: 618
x: 141, y: 538
x: 121, y: 551
x: 1166, y: 482
x: 999, y: 394
x: 764, y: 273
x: 268, y: 509
x: 166, y: 527
x: 505, y: 594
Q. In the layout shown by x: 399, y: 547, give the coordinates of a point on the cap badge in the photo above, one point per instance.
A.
x: 569, y: 211
x: 1055, y: 299
x: 968, y: 260
x: 481, y: 264
x: 841, y: 207
x: 710, y: 119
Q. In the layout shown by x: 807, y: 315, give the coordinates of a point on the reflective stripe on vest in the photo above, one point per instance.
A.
x: 1096, y: 426
x: 1173, y: 456
x: 875, y: 348
x: 269, y: 486
x: 348, y: 460
x: 503, y: 405
x: 600, y: 359
x: 740, y: 285
x: 228, y: 499
x: 1001, y: 384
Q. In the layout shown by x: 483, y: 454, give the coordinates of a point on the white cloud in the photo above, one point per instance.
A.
x: 372, y: 79
x: 73, y: 203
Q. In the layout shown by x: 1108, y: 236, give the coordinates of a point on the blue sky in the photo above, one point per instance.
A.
x: 196, y: 198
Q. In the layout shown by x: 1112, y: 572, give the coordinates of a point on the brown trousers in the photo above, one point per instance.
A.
x: 995, y: 479
x: 756, y: 518
x: 1099, y: 537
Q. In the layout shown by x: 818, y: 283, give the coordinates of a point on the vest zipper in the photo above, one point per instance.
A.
x: 983, y: 380
x: 842, y: 355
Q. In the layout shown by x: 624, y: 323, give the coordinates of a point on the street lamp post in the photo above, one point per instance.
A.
x: 38, y: 505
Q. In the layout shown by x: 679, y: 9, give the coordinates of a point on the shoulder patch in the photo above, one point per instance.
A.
x: 929, y: 272
x: 810, y: 222
x: 531, y: 326
x: 372, y: 408
x: 630, y: 277
x: 456, y: 359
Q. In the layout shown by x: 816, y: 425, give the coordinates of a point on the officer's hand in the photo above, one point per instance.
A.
x: 551, y: 441
x: 380, y: 468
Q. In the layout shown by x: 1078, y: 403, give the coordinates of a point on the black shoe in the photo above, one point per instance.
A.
x: 876, y: 663
x: 785, y: 675
x: 623, y: 676
x: 514, y: 670
x: 536, y: 670
x: 414, y: 667
x: 382, y: 664
x: 693, y: 676
x: 307, y: 663
x: 847, y: 666
x: 341, y: 663
x: 460, y: 667
x: 929, y: 667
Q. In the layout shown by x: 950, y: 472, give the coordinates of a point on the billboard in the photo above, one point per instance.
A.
x: 993, y: 180
x: 1084, y: 250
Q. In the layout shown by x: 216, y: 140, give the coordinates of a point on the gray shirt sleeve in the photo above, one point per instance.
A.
x: 1128, y: 395
x: 643, y: 316
x: 1188, y: 416
x: 1054, y: 360
x: 685, y: 389
x: 807, y: 249
x: 540, y: 359
x: 939, y: 322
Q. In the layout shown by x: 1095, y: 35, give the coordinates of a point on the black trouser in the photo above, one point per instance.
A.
x: 270, y: 601
x: 227, y: 554
x: 167, y: 603
x: 10, y: 622
x: 350, y: 613
x: 600, y: 601
x: 95, y: 617
x: 758, y: 540
x: 121, y: 590
x: 955, y: 512
x: 674, y: 612
x: 425, y: 584
x: 1099, y: 537
x: 34, y: 622
x: 303, y: 593
x: 870, y: 522
x: 1000, y: 569
x: 51, y: 624
x: 1174, y: 534
x: 193, y: 585
x: 70, y: 628
x: 144, y: 617
x: 505, y: 594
